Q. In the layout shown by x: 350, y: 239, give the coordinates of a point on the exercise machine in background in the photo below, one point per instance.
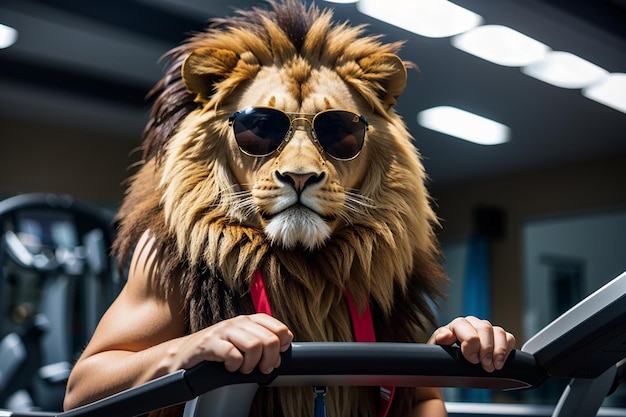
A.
x: 56, y: 280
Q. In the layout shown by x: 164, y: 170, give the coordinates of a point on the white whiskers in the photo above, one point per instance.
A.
x: 355, y: 203
x: 240, y: 203
x: 242, y: 207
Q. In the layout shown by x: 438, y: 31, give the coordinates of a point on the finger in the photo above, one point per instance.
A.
x: 270, y: 347
x: 226, y: 352
x: 486, y: 342
x: 510, y: 339
x: 260, y: 347
x: 275, y: 326
x: 500, y: 347
x: 236, y: 348
x: 443, y: 336
x: 232, y: 342
x: 468, y: 337
x: 504, y: 343
x: 244, y: 342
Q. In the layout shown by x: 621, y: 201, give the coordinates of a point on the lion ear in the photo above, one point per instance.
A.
x: 204, y: 67
x: 392, y: 75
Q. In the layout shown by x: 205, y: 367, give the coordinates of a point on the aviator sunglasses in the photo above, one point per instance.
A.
x: 260, y: 131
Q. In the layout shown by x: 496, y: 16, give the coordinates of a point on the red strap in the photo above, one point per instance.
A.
x: 362, y: 325
x: 259, y: 294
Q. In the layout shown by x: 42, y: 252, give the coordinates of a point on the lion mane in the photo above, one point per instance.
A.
x: 382, y: 246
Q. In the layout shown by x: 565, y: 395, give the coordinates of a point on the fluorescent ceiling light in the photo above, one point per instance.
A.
x: 430, y: 18
x: 464, y: 125
x: 501, y: 45
x: 565, y: 70
x: 8, y: 36
x: 610, y: 91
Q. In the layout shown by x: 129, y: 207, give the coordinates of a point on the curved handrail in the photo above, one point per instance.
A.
x: 400, y: 364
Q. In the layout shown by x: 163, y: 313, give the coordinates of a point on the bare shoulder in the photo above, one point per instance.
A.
x: 143, y: 314
x: 143, y: 273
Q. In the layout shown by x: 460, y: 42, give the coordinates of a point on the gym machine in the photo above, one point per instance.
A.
x: 56, y: 280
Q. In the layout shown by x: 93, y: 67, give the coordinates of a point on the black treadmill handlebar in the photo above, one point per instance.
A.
x: 308, y: 364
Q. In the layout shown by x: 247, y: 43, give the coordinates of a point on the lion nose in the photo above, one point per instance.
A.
x: 299, y: 181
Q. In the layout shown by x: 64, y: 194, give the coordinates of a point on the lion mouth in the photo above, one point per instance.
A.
x: 297, y: 208
x: 298, y: 226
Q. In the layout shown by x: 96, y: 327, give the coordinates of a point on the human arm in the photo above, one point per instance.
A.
x: 143, y: 336
x: 428, y: 401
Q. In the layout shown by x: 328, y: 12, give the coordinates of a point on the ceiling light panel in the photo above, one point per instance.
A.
x: 501, y: 45
x: 610, y: 91
x: 429, y: 18
x: 565, y: 70
x: 464, y: 125
x: 8, y: 36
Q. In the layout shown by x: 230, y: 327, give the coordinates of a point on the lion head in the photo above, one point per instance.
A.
x: 274, y: 145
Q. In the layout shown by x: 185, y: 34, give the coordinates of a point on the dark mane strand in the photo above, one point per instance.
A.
x: 295, y: 19
x: 292, y: 16
x: 172, y: 104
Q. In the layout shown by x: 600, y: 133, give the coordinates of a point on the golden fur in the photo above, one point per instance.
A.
x: 218, y: 215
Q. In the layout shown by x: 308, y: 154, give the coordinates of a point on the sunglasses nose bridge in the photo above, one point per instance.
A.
x: 300, y: 122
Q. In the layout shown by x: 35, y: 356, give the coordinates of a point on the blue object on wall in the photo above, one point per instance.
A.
x: 477, y: 296
x: 477, y: 291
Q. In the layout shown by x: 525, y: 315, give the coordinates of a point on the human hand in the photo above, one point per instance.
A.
x: 242, y: 343
x: 480, y: 341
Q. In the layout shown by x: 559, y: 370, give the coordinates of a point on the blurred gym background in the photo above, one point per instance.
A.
x: 529, y: 226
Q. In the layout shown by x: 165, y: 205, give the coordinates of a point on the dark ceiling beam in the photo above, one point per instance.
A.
x: 608, y: 15
x: 132, y: 16
x: 58, y: 80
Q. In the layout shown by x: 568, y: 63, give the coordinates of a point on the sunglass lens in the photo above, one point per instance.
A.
x: 340, y: 133
x: 260, y: 131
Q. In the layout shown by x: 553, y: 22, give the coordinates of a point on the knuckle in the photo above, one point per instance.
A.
x: 253, y: 344
x: 273, y: 341
x: 458, y: 320
x: 472, y: 340
x: 511, y: 339
x: 499, y: 332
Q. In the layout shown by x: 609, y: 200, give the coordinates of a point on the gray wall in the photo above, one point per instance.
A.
x: 594, y: 243
x: 45, y: 158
